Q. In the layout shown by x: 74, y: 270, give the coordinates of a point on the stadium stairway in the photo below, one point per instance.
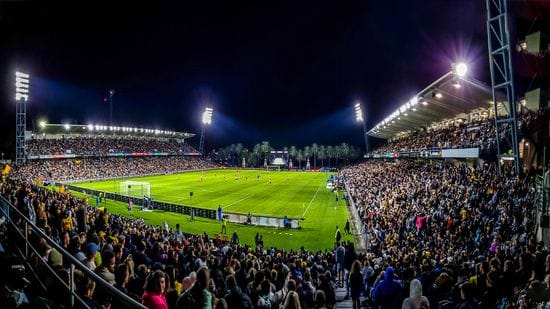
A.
x: 345, y: 303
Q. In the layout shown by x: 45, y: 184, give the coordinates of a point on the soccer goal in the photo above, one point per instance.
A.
x: 138, y: 189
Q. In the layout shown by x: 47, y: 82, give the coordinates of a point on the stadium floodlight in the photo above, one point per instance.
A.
x: 414, y: 101
x: 435, y: 94
x: 207, y: 115
x: 206, y: 120
x: 42, y: 124
x: 91, y: 127
x: 22, y: 86
x: 359, y: 118
x: 67, y: 126
x: 358, y: 113
x: 22, y: 81
x: 460, y: 69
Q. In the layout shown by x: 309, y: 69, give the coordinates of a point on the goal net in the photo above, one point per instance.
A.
x: 138, y: 189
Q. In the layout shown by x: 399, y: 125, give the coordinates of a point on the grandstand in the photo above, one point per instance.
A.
x: 435, y: 217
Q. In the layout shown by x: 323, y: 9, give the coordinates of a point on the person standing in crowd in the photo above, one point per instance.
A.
x: 347, y: 227
x: 154, y: 295
x: 198, y: 296
x: 235, y: 297
x: 340, y: 263
x: 385, y: 292
x: 235, y: 238
x: 415, y: 299
x: 356, y: 283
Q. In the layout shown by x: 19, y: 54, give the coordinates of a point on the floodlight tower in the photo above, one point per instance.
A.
x: 502, y: 80
x: 21, y: 98
x: 359, y: 118
x: 206, y: 120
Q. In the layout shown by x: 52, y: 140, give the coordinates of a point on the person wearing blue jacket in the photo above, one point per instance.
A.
x: 387, y: 293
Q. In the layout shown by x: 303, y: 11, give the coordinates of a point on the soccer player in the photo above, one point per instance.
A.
x: 130, y: 205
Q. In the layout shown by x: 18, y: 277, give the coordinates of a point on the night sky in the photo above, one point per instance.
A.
x: 284, y: 72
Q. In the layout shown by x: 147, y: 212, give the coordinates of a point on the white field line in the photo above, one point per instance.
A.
x: 244, y: 198
x: 311, y: 201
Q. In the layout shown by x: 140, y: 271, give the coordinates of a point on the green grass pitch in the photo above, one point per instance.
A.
x: 294, y: 194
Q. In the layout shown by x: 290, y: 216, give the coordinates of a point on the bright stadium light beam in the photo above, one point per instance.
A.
x: 460, y: 69
x: 67, y: 126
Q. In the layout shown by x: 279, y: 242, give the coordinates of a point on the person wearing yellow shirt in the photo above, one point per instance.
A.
x: 464, y: 214
x: 224, y: 225
x: 67, y: 222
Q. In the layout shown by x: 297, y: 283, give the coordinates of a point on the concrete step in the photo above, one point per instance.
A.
x: 345, y: 303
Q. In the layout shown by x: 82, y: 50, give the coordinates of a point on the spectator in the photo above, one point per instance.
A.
x: 387, y: 292
x: 356, y: 283
x: 198, y: 297
x: 415, y: 299
x: 292, y: 301
x: 235, y: 297
x: 154, y: 295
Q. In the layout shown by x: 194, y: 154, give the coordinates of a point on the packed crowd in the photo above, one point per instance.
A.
x: 160, y: 267
x: 99, y: 145
x: 108, y: 167
x: 465, y: 233
x: 473, y: 134
x: 479, y: 134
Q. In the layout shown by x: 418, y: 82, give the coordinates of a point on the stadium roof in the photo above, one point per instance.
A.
x: 447, y: 97
x: 97, y: 129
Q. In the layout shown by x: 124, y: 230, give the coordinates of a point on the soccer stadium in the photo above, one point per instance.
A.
x: 429, y: 188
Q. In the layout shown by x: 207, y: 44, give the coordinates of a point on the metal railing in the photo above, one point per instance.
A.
x: 361, y: 234
x: 23, y: 227
x: 542, y: 208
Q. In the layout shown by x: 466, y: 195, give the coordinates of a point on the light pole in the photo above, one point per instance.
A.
x: 206, y: 120
x: 359, y: 118
x: 111, y: 94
